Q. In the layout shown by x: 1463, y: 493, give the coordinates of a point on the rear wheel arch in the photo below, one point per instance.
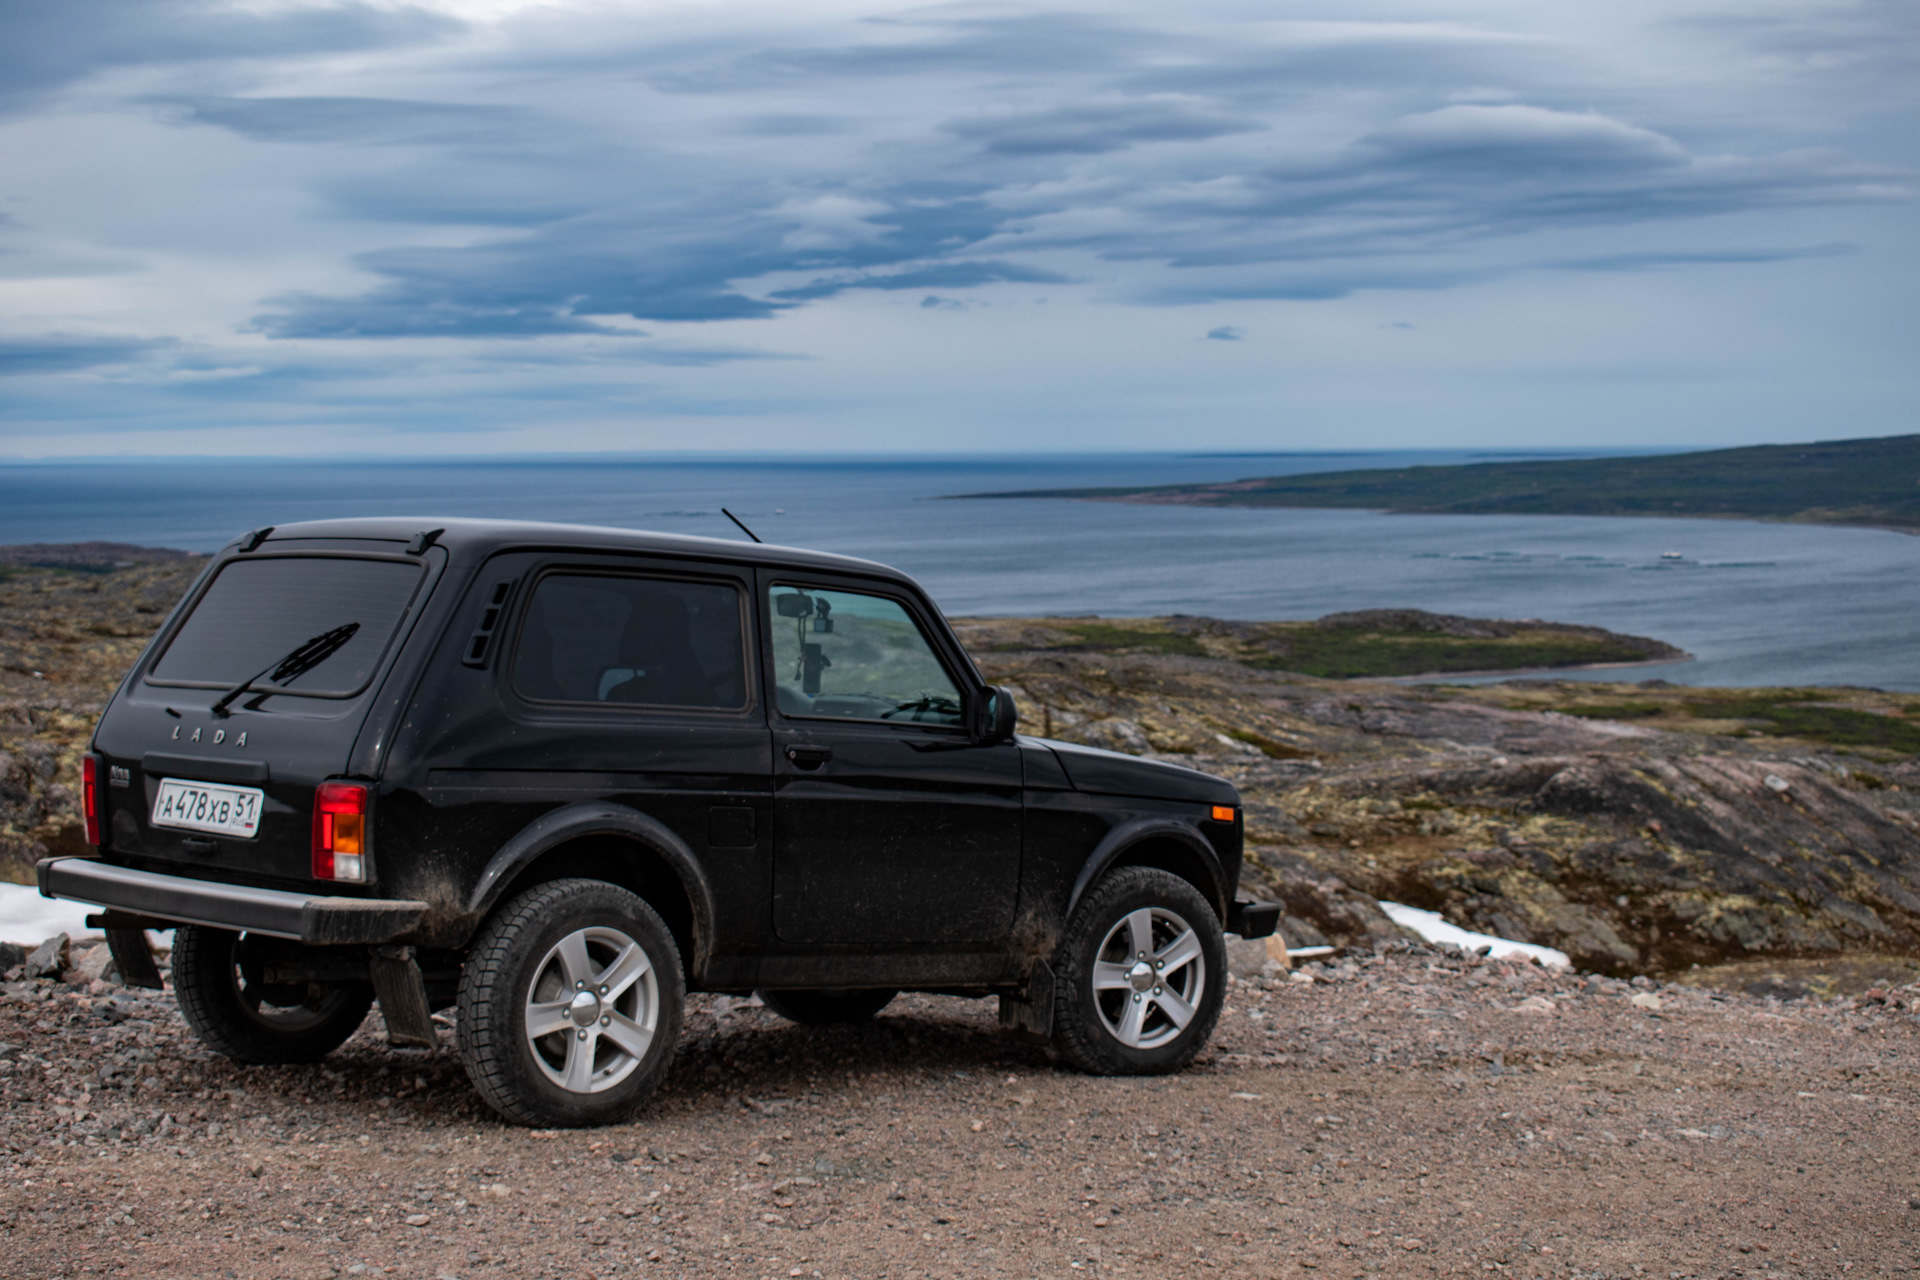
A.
x: 619, y: 845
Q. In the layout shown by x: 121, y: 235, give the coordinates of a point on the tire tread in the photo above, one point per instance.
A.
x: 487, y: 1030
x: 203, y: 990
x: 1078, y: 1036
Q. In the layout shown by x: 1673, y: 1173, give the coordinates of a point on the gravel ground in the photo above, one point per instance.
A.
x: 1412, y: 1114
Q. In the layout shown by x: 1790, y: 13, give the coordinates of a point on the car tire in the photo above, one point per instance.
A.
x: 1140, y: 977
x: 829, y: 1006
x: 240, y: 1016
x: 570, y: 1005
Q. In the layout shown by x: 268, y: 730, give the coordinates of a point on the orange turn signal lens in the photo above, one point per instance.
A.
x: 1223, y: 813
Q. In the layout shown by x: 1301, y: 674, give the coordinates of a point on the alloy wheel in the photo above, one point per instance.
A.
x: 1148, y: 977
x: 592, y: 1009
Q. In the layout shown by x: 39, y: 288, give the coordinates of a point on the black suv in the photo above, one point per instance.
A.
x: 556, y: 776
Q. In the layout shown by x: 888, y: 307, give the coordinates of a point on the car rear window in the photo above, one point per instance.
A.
x: 256, y: 612
x: 658, y: 642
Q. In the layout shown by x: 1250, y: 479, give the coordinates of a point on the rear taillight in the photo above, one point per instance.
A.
x: 90, y: 796
x: 340, y: 832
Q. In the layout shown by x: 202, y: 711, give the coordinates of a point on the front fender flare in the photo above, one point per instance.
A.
x: 571, y: 822
x: 1128, y: 834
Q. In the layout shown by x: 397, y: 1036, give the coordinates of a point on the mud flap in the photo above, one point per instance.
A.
x: 403, y: 997
x: 132, y: 955
x: 1029, y: 1016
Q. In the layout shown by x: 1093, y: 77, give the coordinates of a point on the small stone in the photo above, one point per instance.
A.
x: 1645, y: 1000
x: 763, y: 1158
x: 418, y: 1219
x: 978, y: 1125
x: 49, y: 959
x: 91, y: 965
x: 1246, y: 956
x: 1775, y: 783
x: 11, y: 954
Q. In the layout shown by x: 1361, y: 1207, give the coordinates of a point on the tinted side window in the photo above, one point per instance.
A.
x: 256, y: 612
x: 856, y: 656
x: 645, y: 641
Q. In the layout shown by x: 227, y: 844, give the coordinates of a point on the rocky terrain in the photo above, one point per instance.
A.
x: 1412, y: 1113
x: 1639, y: 828
x: 73, y: 617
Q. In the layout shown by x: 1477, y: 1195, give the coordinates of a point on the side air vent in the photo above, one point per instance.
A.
x: 480, y: 643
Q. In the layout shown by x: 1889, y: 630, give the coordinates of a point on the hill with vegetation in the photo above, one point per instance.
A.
x: 1872, y: 482
x: 1364, y: 643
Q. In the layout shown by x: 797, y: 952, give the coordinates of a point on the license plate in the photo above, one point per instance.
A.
x: 207, y: 806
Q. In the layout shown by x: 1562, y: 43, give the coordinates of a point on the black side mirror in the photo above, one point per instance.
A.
x: 997, y: 716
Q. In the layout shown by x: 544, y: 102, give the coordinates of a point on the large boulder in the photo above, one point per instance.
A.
x: 1640, y: 861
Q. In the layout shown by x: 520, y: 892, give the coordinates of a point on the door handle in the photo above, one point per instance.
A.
x: 809, y: 757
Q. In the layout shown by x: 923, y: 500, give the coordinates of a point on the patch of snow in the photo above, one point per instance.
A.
x: 29, y: 919
x: 1434, y: 928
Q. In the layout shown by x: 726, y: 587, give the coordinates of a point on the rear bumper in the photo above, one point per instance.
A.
x: 278, y: 913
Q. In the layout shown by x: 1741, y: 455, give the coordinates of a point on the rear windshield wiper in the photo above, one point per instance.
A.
x: 310, y: 654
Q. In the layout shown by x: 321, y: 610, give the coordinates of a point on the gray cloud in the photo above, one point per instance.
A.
x: 1227, y: 333
x: 1655, y: 260
x: 957, y: 202
x: 61, y: 354
x: 951, y: 275
x: 359, y: 121
x: 1094, y: 128
x: 49, y: 46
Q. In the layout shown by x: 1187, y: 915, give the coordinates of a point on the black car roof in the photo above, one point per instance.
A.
x: 478, y: 538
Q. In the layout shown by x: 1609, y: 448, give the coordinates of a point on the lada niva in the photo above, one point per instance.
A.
x: 555, y: 777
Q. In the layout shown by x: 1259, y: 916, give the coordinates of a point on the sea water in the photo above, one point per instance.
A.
x: 1755, y: 603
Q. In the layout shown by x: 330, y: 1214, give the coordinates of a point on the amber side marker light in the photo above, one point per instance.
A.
x: 90, y: 796
x: 340, y: 831
x: 1223, y: 813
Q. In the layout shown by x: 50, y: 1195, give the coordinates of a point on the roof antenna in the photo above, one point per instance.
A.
x: 736, y: 519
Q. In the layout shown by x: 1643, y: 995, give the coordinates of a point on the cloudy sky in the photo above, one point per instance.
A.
x: 474, y: 226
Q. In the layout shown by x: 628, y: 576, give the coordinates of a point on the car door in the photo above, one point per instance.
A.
x: 891, y: 824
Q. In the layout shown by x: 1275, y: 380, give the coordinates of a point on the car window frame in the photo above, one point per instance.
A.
x: 739, y: 579
x: 965, y: 680
x: 429, y: 567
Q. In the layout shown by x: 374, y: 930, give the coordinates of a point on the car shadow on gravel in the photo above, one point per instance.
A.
x: 734, y: 1054
x: 731, y: 1048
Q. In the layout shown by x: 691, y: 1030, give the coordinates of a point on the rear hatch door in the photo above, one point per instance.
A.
x: 219, y: 782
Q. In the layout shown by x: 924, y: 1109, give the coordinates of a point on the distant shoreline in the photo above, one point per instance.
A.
x: 1150, y: 501
x: 1871, y: 483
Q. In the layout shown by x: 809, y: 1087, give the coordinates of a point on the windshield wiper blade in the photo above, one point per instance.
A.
x: 308, y: 655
